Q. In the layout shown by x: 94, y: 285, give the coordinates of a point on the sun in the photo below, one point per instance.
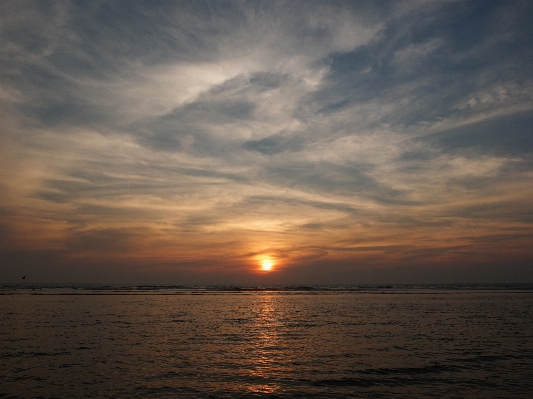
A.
x: 266, y: 265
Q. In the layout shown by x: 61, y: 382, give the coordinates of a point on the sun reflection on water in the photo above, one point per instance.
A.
x: 265, y: 358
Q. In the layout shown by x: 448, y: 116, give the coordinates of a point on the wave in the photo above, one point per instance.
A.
x: 121, y: 289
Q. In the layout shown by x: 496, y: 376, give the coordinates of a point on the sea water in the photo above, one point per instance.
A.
x: 172, y: 342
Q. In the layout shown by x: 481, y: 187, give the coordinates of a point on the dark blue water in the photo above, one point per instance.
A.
x: 239, y: 342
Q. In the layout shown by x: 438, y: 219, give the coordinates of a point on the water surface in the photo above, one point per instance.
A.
x: 149, y: 342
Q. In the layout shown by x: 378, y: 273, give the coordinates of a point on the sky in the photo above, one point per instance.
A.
x: 339, y: 142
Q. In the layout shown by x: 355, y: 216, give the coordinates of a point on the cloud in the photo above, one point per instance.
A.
x: 201, y: 134
x: 275, y: 144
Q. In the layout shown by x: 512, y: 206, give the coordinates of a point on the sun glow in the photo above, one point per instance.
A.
x: 266, y: 265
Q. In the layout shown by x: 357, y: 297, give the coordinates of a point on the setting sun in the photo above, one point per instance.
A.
x: 266, y: 265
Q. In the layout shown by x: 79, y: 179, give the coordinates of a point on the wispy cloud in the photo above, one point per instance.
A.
x: 194, y: 137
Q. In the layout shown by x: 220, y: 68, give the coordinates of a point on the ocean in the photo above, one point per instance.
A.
x: 401, y: 341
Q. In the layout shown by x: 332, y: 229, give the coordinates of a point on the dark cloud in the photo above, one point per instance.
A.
x: 510, y: 134
x: 346, y: 180
x: 275, y: 144
x: 253, y: 202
